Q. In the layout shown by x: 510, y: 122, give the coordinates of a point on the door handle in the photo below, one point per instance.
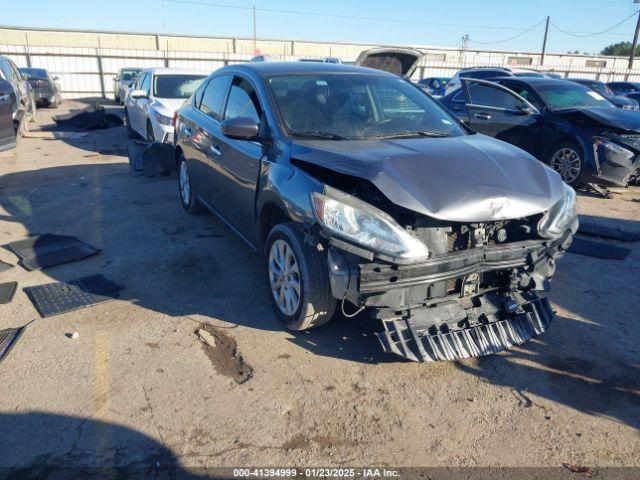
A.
x: 482, y: 116
x: 215, y: 150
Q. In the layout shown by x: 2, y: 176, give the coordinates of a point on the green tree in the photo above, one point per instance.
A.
x: 622, y: 49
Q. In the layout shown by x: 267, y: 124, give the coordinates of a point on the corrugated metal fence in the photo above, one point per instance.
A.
x: 86, y: 62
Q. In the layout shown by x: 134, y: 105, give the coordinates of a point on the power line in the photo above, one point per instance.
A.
x: 510, y: 38
x: 580, y: 35
x: 347, y: 17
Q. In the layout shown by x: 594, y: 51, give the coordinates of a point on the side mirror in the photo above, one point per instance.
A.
x: 524, y: 109
x: 240, y: 128
x: 139, y: 94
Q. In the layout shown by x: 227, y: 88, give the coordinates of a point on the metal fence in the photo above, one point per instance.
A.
x: 86, y: 62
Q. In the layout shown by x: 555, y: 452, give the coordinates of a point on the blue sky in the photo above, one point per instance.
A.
x: 425, y: 22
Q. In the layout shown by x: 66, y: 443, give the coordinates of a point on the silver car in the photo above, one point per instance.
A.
x: 122, y: 81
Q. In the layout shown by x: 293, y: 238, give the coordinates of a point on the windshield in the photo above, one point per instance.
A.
x: 34, y: 72
x: 561, y: 96
x: 176, y: 86
x: 340, y: 106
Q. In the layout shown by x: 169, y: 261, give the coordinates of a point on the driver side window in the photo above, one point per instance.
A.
x: 492, y: 96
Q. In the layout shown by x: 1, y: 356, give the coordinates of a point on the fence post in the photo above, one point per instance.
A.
x: 26, y: 49
x: 101, y: 73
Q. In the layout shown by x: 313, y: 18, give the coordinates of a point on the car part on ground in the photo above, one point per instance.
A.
x: 390, y: 206
x: 8, y: 338
x: 574, y: 129
x: 5, y: 266
x: 43, y: 251
x: 61, y: 297
x: 592, y: 248
x: 7, y: 290
x: 150, y: 158
x: 92, y: 117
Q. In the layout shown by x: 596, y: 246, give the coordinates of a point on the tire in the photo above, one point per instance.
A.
x: 567, y: 159
x: 150, y: 136
x: 315, y: 304
x: 130, y: 132
x: 188, y: 199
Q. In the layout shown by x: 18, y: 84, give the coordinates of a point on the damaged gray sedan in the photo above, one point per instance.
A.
x: 361, y: 193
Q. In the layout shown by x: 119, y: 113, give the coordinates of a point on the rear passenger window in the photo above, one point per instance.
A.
x: 243, y: 101
x: 214, y: 95
x: 197, y: 96
x: 489, y: 96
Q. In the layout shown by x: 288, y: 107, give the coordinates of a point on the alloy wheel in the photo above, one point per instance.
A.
x: 284, y: 277
x: 567, y: 163
x: 185, y: 186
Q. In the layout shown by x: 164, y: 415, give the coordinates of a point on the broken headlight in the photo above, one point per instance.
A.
x: 357, y: 221
x: 560, y: 217
x: 613, y: 153
x: 163, y: 119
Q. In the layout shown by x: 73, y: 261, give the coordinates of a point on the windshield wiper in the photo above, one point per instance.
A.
x: 412, y: 133
x: 318, y: 134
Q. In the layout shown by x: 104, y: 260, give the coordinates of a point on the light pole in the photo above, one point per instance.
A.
x: 635, y: 40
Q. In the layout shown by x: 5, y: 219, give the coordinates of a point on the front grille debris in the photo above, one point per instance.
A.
x: 426, y: 345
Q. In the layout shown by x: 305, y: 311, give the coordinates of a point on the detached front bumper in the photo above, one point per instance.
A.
x: 614, y: 169
x: 455, y: 305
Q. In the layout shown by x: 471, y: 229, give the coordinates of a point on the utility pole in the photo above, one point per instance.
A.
x: 255, y: 44
x: 544, y: 42
x: 635, y: 41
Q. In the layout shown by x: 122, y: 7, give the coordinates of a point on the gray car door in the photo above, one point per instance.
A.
x: 205, y: 140
x: 239, y: 162
x: 7, y: 132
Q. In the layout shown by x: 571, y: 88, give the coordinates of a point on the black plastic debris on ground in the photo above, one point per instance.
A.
x: 5, y: 266
x: 150, y: 158
x: 92, y: 117
x: 42, y: 251
x: 7, y: 290
x: 596, y: 230
x: 8, y: 339
x: 59, y: 297
x: 591, y: 248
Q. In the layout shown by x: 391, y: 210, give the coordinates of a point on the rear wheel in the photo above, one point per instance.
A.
x: 188, y: 199
x: 567, y: 160
x: 298, y: 278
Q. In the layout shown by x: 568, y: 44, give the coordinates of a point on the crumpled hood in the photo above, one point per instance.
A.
x: 614, y: 118
x: 468, y: 178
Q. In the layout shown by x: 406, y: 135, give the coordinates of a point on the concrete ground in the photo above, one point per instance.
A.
x: 138, y: 387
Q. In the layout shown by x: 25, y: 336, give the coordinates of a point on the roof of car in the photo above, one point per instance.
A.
x: 535, y: 81
x: 176, y: 71
x: 292, y: 68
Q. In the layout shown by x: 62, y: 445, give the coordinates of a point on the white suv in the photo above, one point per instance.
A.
x: 158, y: 93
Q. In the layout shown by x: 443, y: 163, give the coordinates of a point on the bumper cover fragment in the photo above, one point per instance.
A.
x: 407, y: 340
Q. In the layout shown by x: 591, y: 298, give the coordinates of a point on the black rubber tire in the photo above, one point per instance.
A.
x: 130, y: 132
x: 578, y: 149
x: 317, y: 305
x: 193, y: 206
x: 150, y: 135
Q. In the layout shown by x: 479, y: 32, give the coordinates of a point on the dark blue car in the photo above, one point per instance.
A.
x: 619, y: 101
x: 575, y: 130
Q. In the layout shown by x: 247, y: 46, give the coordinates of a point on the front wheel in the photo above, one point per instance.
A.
x: 298, y: 278
x: 567, y: 160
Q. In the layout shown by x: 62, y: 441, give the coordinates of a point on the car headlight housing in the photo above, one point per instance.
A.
x: 354, y: 220
x: 560, y: 217
x: 614, y: 153
x: 163, y: 119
